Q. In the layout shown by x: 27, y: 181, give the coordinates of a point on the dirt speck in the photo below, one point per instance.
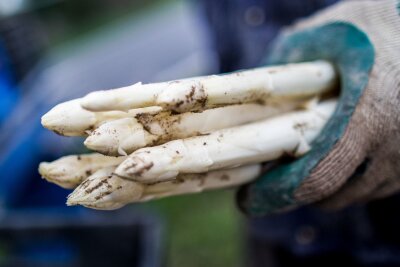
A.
x: 103, y: 181
x: 178, y: 180
x: 176, y: 81
x: 145, y: 168
x: 202, y: 180
x: 301, y: 126
x: 178, y: 104
x: 59, y: 132
x: 224, y: 177
x: 103, y: 194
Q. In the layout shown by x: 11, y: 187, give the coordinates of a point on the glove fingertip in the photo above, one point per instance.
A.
x: 250, y: 202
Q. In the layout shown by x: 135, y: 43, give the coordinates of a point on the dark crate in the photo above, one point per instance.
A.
x: 79, y: 237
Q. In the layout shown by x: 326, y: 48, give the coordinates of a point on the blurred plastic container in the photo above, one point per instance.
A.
x: 79, y: 237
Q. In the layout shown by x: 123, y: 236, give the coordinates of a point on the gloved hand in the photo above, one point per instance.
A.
x: 356, y: 156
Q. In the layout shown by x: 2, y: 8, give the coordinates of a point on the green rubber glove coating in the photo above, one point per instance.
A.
x: 353, y: 54
x: 398, y: 6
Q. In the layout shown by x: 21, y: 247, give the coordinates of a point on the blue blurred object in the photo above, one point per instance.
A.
x: 8, y: 84
x: 244, y: 29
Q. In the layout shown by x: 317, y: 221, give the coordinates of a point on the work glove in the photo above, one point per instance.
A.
x: 356, y: 157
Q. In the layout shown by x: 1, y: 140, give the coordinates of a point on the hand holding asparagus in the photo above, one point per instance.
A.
x: 189, y: 135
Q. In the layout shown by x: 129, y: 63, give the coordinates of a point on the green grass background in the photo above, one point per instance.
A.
x: 201, y: 230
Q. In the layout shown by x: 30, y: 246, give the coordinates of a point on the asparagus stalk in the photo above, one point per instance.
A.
x: 70, y: 171
x: 106, y: 191
x: 123, y: 136
x: 103, y: 190
x: 199, y: 182
x: 119, y: 137
x: 288, y: 81
x: 70, y: 119
x: 247, y: 144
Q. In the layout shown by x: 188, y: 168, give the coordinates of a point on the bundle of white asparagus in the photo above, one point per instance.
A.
x: 186, y: 136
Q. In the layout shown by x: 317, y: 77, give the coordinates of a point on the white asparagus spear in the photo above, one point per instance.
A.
x: 198, y: 182
x: 252, y: 143
x: 119, y: 137
x: 103, y: 190
x: 106, y: 191
x: 292, y: 80
x: 123, y: 136
x: 70, y: 171
x: 70, y: 119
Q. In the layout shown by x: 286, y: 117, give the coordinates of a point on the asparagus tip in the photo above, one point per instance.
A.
x: 103, y: 190
x: 55, y: 175
x: 68, y: 119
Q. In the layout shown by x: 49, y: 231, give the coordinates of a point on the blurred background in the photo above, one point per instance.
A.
x: 52, y: 51
x: 55, y: 50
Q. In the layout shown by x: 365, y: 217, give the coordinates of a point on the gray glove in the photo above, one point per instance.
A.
x: 356, y: 157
